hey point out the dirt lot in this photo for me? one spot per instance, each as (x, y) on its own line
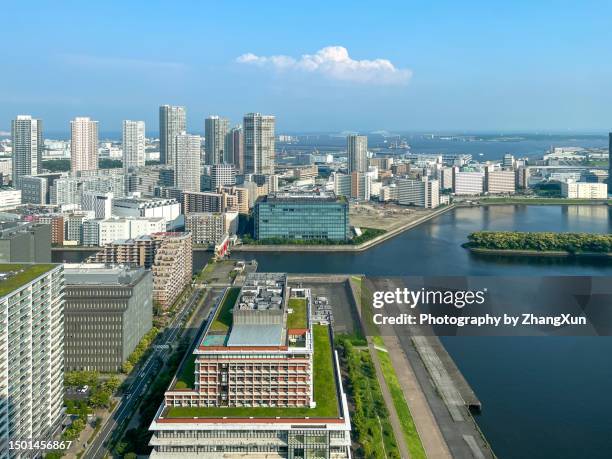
(383, 216)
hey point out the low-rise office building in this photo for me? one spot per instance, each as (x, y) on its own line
(170, 209)
(261, 384)
(107, 311)
(9, 199)
(99, 232)
(584, 190)
(307, 216)
(25, 242)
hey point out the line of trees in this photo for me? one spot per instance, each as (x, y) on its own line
(541, 241)
(367, 234)
(370, 418)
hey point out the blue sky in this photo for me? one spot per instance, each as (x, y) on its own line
(405, 65)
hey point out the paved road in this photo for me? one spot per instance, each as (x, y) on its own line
(129, 402)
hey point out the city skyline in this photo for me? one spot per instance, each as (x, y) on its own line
(437, 67)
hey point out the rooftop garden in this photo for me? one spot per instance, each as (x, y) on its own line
(324, 392)
(28, 274)
(185, 379)
(223, 319)
(297, 319)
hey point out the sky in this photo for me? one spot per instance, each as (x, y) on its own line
(461, 66)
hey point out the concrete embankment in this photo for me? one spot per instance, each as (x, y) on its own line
(343, 248)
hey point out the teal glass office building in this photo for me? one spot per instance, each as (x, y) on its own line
(304, 216)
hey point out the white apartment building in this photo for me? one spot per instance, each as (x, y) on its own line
(187, 165)
(584, 190)
(169, 209)
(32, 357)
(419, 192)
(500, 181)
(83, 144)
(211, 228)
(6, 170)
(388, 193)
(99, 203)
(469, 183)
(133, 144)
(259, 141)
(445, 178)
(357, 185)
(9, 199)
(27, 144)
(222, 175)
(172, 121)
(97, 232)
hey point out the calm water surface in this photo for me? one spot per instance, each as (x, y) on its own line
(542, 397)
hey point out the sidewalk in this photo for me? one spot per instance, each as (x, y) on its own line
(427, 427)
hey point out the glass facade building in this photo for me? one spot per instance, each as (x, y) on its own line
(304, 216)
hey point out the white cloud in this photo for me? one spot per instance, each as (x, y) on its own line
(335, 63)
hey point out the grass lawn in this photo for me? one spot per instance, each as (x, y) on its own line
(223, 319)
(30, 273)
(186, 378)
(324, 392)
(411, 435)
(297, 319)
(208, 269)
(370, 419)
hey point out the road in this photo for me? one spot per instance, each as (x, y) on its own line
(129, 402)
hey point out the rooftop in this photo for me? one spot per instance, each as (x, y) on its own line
(100, 274)
(326, 389)
(298, 318)
(301, 196)
(256, 335)
(16, 275)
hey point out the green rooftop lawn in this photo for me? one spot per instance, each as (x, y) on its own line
(186, 378)
(223, 319)
(324, 392)
(297, 319)
(30, 273)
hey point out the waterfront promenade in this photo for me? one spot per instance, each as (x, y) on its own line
(343, 248)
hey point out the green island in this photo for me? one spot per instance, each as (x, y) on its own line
(514, 242)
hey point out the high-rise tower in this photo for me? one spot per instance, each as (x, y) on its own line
(259, 143)
(133, 144)
(83, 144)
(27, 142)
(172, 121)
